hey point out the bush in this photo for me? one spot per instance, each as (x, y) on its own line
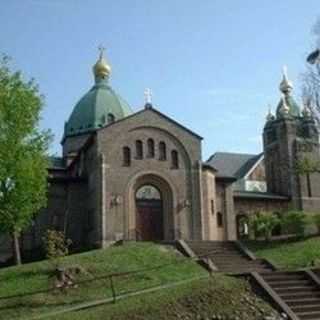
(294, 222)
(56, 245)
(315, 219)
(262, 224)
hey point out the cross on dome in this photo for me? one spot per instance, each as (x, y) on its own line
(101, 69)
(102, 49)
(148, 96)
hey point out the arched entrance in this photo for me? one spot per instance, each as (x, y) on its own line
(153, 204)
(149, 213)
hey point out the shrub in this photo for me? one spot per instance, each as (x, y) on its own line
(294, 222)
(315, 219)
(56, 245)
(262, 224)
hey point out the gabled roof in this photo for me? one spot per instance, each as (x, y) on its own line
(235, 165)
(162, 115)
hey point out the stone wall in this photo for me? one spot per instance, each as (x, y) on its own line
(245, 206)
(120, 181)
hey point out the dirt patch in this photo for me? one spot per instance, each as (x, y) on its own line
(233, 300)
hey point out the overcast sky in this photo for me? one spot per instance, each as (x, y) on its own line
(214, 66)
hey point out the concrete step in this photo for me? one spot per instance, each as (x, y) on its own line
(302, 301)
(300, 295)
(300, 289)
(309, 315)
(289, 283)
(306, 308)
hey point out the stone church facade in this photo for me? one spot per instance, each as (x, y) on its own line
(140, 176)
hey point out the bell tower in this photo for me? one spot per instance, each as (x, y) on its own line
(288, 137)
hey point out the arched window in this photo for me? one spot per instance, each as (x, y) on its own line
(150, 144)
(162, 151)
(174, 159)
(126, 156)
(110, 118)
(219, 219)
(139, 149)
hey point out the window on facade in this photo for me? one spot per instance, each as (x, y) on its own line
(110, 118)
(309, 188)
(174, 159)
(126, 156)
(150, 144)
(139, 149)
(219, 219)
(212, 206)
(162, 151)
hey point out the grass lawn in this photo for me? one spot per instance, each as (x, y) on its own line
(291, 254)
(203, 299)
(132, 256)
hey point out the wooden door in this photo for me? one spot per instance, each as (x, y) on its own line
(149, 219)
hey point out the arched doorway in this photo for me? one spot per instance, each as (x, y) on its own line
(242, 226)
(151, 194)
(149, 213)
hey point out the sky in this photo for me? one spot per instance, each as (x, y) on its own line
(214, 66)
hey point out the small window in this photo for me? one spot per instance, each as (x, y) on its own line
(219, 219)
(150, 144)
(174, 159)
(126, 157)
(162, 151)
(110, 118)
(139, 149)
(212, 206)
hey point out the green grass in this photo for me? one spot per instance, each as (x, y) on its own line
(132, 256)
(293, 254)
(202, 299)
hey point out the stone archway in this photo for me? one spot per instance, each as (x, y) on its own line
(153, 208)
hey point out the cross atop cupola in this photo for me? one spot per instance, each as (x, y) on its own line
(148, 98)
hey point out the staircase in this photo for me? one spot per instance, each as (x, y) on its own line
(228, 257)
(298, 291)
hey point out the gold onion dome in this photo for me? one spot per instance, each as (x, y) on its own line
(98, 107)
(101, 69)
(286, 85)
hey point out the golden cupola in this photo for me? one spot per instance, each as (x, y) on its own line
(101, 69)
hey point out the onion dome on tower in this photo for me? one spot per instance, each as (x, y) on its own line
(99, 106)
(287, 106)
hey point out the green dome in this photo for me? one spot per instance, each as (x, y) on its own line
(98, 107)
(294, 109)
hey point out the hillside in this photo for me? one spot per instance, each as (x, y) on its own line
(291, 254)
(19, 282)
(219, 297)
(159, 265)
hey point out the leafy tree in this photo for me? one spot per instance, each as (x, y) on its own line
(294, 222)
(23, 160)
(263, 223)
(311, 78)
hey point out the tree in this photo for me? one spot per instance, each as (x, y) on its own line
(23, 159)
(311, 78)
(294, 222)
(263, 223)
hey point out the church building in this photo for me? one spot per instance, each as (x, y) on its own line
(127, 175)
